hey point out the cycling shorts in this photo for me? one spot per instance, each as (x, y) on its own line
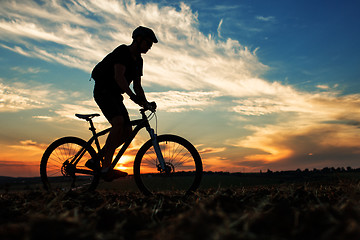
(110, 101)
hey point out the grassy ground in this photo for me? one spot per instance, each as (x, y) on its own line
(225, 207)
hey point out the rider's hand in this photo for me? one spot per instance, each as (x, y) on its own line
(151, 106)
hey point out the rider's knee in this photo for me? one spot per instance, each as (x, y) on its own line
(120, 125)
(118, 122)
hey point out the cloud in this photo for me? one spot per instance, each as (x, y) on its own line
(219, 28)
(31, 146)
(313, 129)
(80, 34)
(170, 101)
(266, 19)
(68, 110)
(315, 145)
(18, 96)
(28, 70)
(325, 87)
(177, 101)
(209, 150)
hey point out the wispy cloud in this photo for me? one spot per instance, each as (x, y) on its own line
(31, 146)
(28, 70)
(95, 28)
(219, 28)
(266, 19)
(170, 101)
(18, 96)
(24, 95)
(176, 101)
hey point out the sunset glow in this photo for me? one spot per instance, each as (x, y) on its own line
(125, 164)
(254, 85)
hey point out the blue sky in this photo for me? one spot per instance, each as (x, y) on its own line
(299, 40)
(253, 84)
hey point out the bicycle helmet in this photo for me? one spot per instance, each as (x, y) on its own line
(144, 32)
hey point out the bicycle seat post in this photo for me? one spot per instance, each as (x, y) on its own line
(93, 131)
(92, 127)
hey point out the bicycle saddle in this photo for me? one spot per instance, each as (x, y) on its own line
(87, 117)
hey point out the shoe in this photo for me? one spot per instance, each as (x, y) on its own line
(93, 164)
(113, 174)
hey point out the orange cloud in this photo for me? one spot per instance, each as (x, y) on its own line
(310, 146)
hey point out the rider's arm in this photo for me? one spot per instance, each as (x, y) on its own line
(139, 90)
(120, 79)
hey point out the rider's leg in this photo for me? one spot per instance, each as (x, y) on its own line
(113, 108)
(119, 132)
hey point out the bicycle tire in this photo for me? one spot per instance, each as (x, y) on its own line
(54, 175)
(180, 156)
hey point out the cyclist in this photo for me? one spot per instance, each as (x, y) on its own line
(113, 76)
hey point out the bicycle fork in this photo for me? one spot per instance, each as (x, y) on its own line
(157, 149)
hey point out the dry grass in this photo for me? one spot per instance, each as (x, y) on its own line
(286, 211)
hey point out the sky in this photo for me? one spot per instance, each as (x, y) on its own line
(253, 84)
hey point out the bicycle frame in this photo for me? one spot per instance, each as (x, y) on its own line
(139, 124)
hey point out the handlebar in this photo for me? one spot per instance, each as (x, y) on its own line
(148, 107)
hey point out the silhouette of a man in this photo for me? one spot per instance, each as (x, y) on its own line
(113, 76)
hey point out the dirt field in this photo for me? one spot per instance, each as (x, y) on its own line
(270, 211)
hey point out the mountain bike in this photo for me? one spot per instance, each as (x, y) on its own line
(163, 163)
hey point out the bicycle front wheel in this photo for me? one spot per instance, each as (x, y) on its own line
(62, 166)
(183, 167)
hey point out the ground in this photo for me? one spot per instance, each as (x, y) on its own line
(297, 210)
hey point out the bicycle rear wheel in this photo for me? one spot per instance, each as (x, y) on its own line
(59, 171)
(183, 167)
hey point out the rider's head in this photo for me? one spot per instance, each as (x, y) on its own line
(144, 38)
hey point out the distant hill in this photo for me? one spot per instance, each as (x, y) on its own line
(4, 180)
(215, 179)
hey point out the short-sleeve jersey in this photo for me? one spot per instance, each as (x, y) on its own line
(104, 74)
